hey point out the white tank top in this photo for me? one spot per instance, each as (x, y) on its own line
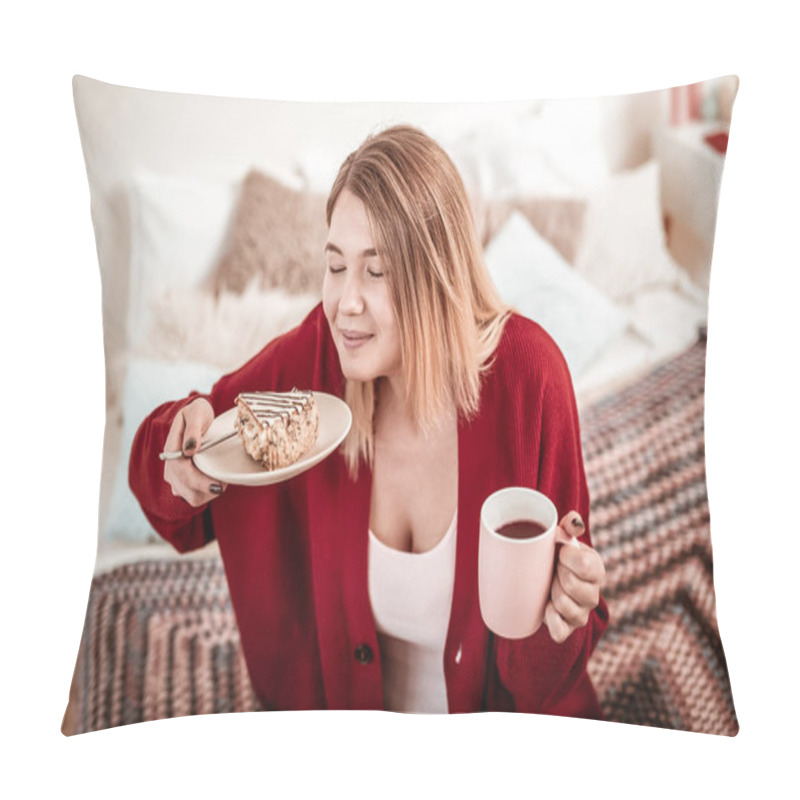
(411, 595)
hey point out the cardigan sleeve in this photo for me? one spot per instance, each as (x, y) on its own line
(538, 672)
(171, 517)
(286, 361)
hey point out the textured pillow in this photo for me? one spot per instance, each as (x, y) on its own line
(209, 219)
(224, 329)
(532, 276)
(277, 239)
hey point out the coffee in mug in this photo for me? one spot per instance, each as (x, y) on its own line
(516, 557)
(521, 529)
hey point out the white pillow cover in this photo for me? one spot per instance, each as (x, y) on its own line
(148, 383)
(531, 275)
(623, 248)
(178, 230)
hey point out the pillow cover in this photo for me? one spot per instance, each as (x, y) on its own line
(285, 251)
(533, 277)
(148, 383)
(210, 244)
(558, 220)
(179, 226)
(624, 247)
(552, 149)
(224, 329)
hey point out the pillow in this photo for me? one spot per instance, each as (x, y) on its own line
(277, 238)
(670, 321)
(552, 149)
(224, 329)
(623, 249)
(179, 225)
(209, 218)
(148, 383)
(532, 276)
(558, 220)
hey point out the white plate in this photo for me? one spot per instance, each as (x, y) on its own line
(228, 462)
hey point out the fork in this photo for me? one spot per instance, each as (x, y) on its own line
(168, 455)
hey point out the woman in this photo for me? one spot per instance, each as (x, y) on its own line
(355, 584)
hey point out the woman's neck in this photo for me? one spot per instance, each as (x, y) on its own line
(393, 418)
(391, 405)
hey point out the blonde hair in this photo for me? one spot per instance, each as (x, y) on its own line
(449, 313)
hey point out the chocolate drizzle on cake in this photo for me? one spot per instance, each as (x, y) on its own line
(277, 428)
(270, 406)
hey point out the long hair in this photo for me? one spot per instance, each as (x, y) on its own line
(449, 313)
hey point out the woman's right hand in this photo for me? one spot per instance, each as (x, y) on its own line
(186, 434)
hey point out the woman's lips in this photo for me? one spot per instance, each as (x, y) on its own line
(352, 340)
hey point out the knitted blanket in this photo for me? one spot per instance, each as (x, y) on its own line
(660, 661)
(160, 639)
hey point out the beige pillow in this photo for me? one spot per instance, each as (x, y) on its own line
(489, 216)
(558, 220)
(277, 239)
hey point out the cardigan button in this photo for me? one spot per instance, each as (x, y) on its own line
(364, 654)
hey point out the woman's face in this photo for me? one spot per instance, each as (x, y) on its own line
(355, 296)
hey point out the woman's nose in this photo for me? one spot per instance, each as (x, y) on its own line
(352, 301)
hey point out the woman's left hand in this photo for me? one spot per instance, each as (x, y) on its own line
(575, 591)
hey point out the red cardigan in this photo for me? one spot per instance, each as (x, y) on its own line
(295, 554)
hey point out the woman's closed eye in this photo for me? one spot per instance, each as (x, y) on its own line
(372, 272)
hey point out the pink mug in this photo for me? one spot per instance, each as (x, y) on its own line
(515, 574)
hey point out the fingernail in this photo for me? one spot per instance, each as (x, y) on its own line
(577, 522)
(190, 443)
(215, 488)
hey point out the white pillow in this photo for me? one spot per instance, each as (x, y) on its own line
(148, 383)
(551, 148)
(531, 275)
(623, 248)
(504, 167)
(667, 319)
(179, 226)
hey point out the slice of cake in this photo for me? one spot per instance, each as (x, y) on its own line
(277, 428)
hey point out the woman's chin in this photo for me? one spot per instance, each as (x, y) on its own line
(356, 372)
(355, 375)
